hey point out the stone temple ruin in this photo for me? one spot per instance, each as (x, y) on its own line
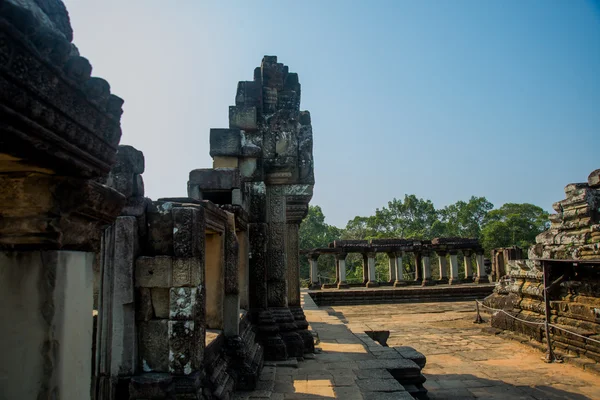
(108, 294)
(190, 294)
(569, 252)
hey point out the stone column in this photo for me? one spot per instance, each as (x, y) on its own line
(392, 261)
(454, 278)
(371, 267)
(399, 270)
(443, 267)
(277, 273)
(481, 274)
(418, 277)
(231, 302)
(341, 261)
(365, 268)
(468, 267)
(276, 248)
(116, 344)
(293, 268)
(426, 270)
(293, 259)
(314, 272)
(337, 271)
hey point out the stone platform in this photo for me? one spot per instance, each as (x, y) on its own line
(407, 294)
(463, 360)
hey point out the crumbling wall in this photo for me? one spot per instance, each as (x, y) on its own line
(574, 234)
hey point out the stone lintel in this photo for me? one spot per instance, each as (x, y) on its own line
(208, 179)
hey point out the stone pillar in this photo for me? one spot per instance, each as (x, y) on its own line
(314, 272)
(418, 277)
(293, 265)
(341, 261)
(116, 337)
(392, 261)
(481, 274)
(365, 268)
(371, 268)
(277, 274)
(276, 249)
(468, 267)
(399, 270)
(47, 331)
(231, 302)
(293, 257)
(337, 271)
(454, 278)
(243, 269)
(426, 270)
(443, 267)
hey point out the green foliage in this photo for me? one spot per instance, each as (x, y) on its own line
(513, 225)
(412, 217)
(313, 233)
(465, 219)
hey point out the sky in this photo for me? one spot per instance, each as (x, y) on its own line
(441, 99)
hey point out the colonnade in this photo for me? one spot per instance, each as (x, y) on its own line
(446, 249)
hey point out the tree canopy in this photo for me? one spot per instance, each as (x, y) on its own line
(412, 217)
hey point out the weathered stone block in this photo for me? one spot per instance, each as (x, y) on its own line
(225, 142)
(160, 228)
(225, 162)
(594, 179)
(257, 192)
(145, 311)
(180, 347)
(188, 231)
(257, 234)
(243, 118)
(187, 272)
(154, 345)
(182, 303)
(129, 159)
(248, 168)
(153, 272)
(151, 386)
(160, 302)
(215, 179)
(123, 182)
(231, 257)
(138, 186)
(249, 94)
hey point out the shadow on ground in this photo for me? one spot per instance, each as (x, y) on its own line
(467, 386)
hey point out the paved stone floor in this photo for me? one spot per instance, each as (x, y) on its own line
(462, 362)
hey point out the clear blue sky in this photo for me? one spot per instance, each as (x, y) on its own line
(443, 99)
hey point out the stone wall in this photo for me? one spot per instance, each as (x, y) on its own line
(89, 252)
(574, 287)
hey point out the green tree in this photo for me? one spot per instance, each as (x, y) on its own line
(314, 233)
(513, 225)
(412, 218)
(465, 219)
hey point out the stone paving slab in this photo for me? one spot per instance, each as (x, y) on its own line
(462, 361)
(465, 363)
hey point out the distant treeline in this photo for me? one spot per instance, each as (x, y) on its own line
(415, 218)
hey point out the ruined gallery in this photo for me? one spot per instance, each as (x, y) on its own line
(107, 294)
